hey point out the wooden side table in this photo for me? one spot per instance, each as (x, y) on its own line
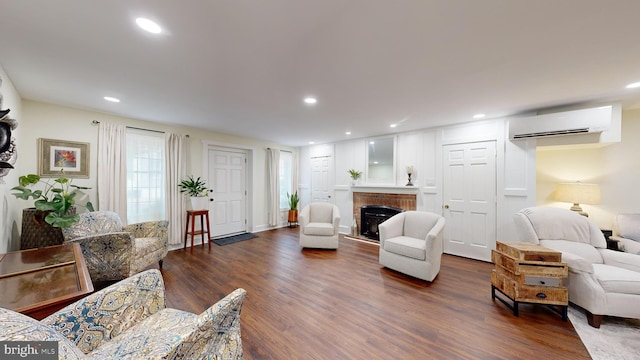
(529, 273)
(191, 217)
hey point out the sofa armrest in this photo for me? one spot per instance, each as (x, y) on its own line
(628, 245)
(108, 256)
(621, 259)
(103, 315)
(577, 264)
(217, 333)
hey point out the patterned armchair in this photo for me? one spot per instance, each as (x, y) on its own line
(128, 320)
(114, 252)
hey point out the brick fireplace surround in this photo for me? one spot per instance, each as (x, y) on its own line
(402, 201)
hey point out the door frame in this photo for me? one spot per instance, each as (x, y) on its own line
(250, 170)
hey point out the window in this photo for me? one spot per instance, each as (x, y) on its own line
(145, 176)
(286, 163)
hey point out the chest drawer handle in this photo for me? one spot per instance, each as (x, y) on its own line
(541, 295)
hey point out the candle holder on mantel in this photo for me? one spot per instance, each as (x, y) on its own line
(409, 172)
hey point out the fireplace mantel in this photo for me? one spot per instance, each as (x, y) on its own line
(382, 189)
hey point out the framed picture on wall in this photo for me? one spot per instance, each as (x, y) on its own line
(70, 156)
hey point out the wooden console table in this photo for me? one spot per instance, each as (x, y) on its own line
(529, 273)
(39, 282)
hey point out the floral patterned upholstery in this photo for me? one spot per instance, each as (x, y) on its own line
(114, 252)
(128, 320)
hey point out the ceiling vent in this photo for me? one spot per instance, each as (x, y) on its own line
(581, 121)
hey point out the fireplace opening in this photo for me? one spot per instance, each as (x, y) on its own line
(373, 215)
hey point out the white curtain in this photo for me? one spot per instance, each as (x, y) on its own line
(273, 183)
(112, 169)
(176, 160)
(295, 171)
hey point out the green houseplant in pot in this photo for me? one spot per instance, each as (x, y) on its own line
(355, 175)
(196, 189)
(294, 200)
(54, 208)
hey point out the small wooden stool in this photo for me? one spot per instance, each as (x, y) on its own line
(191, 216)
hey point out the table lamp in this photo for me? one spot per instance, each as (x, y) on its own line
(578, 193)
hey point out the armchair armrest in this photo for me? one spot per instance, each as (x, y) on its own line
(435, 234)
(218, 328)
(148, 229)
(336, 219)
(103, 315)
(303, 217)
(108, 256)
(392, 227)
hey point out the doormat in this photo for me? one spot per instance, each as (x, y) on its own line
(233, 239)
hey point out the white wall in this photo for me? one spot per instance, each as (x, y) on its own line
(8, 230)
(423, 150)
(40, 120)
(615, 167)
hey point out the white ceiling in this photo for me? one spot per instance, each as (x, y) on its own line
(243, 67)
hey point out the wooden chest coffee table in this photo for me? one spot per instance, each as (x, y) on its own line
(38, 282)
(529, 273)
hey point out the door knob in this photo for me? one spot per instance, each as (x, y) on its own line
(446, 206)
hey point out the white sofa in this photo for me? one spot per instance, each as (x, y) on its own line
(626, 230)
(411, 243)
(601, 281)
(319, 225)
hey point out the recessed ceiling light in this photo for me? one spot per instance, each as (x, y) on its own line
(112, 99)
(310, 100)
(479, 116)
(148, 25)
(348, 133)
(633, 86)
(372, 142)
(311, 142)
(393, 125)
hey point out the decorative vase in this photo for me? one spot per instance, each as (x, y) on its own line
(354, 226)
(36, 233)
(199, 203)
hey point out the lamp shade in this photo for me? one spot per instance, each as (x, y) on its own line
(578, 193)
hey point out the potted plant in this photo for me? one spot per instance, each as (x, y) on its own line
(197, 190)
(355, 175)
(293, 208)
(54, 208)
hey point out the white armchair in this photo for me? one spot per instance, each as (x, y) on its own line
(411, 243)
(601, 281)
(319, 225)
(626, 230)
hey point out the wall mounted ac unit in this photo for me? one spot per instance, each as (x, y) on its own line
(581, 121)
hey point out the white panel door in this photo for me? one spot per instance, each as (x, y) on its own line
(321, 177)
(227, 177)
(469, 198)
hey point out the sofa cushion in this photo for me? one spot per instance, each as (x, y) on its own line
(18, 327)
(322, 229)
(617, 280)
(407, 246)
(155, 337)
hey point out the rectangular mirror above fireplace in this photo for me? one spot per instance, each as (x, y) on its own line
(381, 166)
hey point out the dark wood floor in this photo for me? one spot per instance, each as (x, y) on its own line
(326, 304)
